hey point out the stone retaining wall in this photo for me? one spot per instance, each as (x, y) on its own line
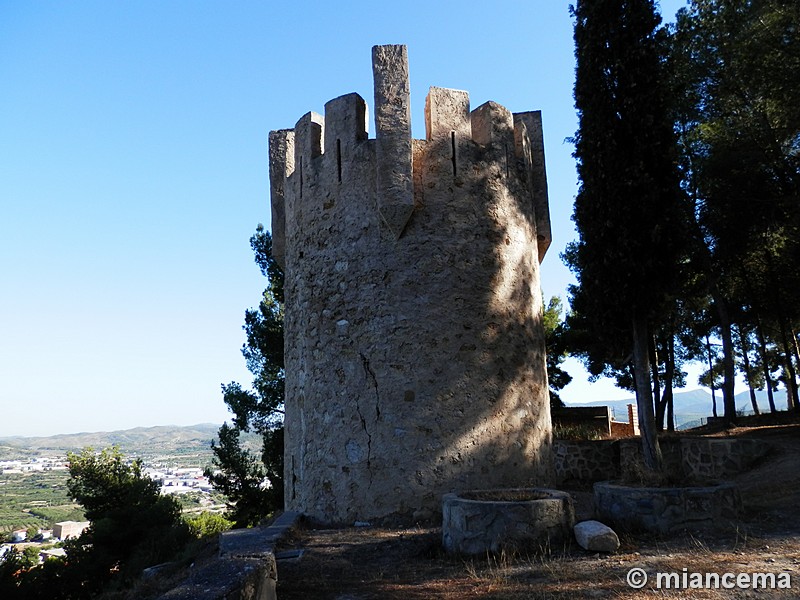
(631, 463)
(714, 458)
(695, 458)
(585, 461)
(245, 568)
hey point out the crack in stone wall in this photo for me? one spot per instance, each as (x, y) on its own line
(371, 374)
(368, 372)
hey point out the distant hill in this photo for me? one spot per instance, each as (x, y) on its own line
(141, 441)
(161, 435)
(693, 406)
(744, 405)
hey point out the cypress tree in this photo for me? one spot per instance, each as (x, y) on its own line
(630, 212)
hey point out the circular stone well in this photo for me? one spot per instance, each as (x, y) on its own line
(480, 521)
(666, 509)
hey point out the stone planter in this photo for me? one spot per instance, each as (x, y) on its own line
(483, 521)
(666, 509)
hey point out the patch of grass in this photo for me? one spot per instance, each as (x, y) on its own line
(577, 433)
(56, 514)
(206, 524)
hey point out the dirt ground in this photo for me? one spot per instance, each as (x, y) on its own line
(374, 563)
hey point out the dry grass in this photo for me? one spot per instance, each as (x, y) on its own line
(362, 564)
(409, 564)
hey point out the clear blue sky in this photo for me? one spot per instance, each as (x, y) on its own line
(133, 170)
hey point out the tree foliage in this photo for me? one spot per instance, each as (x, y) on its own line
(132, 527)
(244, 478)
(737, 80)
(733, 75)
(556, 344)
(254, 485)
(629, 211)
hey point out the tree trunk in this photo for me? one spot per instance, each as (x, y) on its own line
(791, 376)
(762, 343)
(711, 379)
(669, 376)
(659, 407)
(651, 453)
(743, 335)
(728, 365)
(791, 379)
(796, 349)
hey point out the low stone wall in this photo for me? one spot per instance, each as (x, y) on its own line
(244, 570)
(692, 458)
(585, 461)
(664, 510)
(698, 458)
(235, 578)
(720, 458)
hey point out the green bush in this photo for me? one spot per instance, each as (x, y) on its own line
(132, 527)
(207, 524)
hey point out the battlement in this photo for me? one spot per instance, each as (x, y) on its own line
(322, 150)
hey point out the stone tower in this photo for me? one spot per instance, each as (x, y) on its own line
(414, 345)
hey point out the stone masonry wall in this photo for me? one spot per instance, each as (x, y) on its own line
(584, 461)
(665, 510)
(719, 458)
(688, 457)
(414, 346)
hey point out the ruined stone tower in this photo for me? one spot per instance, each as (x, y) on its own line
(414, 345)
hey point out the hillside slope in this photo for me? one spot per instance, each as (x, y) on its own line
(138, 441)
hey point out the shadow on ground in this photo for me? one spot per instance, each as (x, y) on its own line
(375, 563)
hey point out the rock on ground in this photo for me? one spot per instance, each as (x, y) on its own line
(596, 537)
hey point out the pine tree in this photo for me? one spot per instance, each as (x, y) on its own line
(556, 339)
(254, 485)
(737, 68)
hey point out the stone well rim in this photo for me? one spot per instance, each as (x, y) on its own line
(548, 494)
(614, 484)
(479, 526)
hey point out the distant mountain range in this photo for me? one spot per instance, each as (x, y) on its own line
(141, 441)
(162, 436)
(693, 407)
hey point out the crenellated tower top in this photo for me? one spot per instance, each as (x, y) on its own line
(331, 140)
